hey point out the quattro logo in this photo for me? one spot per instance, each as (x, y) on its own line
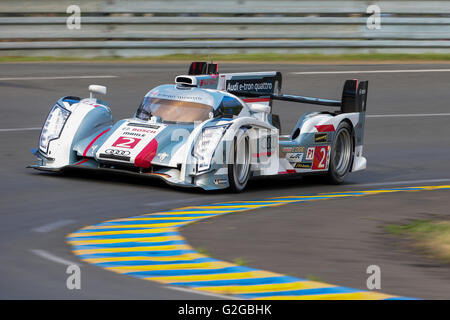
(126, 142)
(117, 152)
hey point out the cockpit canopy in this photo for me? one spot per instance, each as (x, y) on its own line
(173, 104)
(174, 110)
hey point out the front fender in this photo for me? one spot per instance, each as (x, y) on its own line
(86, 118)
(264, 152)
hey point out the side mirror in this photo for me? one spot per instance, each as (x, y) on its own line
(93, 88)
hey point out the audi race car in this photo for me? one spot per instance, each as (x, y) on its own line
(207, 130)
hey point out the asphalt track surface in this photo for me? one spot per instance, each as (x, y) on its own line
(330, 239)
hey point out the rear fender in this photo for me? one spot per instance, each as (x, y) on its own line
(311, 125)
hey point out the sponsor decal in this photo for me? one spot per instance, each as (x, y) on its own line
(126, 142)
(310, 154)
(302, 165)
(253, 85)
(298, 149)
(143, 125)
(294, 157)
(320, 137)
(162, 156)
(220, 181)
(289, 149)
(320, 158)
(209, 100)
(117, 152)
(134, 134)
(143, 130)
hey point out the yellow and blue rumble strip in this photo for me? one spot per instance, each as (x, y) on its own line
(150, 247)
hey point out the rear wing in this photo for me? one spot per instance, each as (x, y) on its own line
(264, 87)
(354, 97)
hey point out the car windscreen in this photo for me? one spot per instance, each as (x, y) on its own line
(173, 110)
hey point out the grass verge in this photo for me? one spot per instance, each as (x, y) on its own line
(252, 57)
(240, 262)
(431, 236)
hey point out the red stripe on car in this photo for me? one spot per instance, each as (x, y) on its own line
(289, 171)
(325, 128)
(93, 141)
(145, 157)
(82, 161)
(251, 100)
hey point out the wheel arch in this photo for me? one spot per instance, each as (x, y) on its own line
(346, 120)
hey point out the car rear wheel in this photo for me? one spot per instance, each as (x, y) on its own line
(239, 170)
(341, 154)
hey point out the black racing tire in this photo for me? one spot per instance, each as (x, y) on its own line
(342, 152)
(239, 169)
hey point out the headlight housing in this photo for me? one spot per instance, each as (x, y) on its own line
(53, 126)
(206, 145)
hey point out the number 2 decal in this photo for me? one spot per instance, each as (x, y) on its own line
(126, 142)
(320, 158)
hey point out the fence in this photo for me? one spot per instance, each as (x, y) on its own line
(145, 28)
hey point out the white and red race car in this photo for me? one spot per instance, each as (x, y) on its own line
(208, 130)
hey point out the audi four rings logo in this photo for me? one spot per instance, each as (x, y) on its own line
(118, 152)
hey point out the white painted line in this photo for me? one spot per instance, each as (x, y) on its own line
(58, 78)
(371, 71)
(202, 293)
(407, 115)
(20, 129)
(51, 257)
(53, 226)
(406, 182)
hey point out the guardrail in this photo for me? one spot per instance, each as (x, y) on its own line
(143, 28)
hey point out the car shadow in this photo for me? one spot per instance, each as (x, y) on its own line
(254, 185)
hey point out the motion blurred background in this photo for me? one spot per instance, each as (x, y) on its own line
(401, 47)
(138, 28)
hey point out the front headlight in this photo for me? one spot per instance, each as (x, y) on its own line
(53, 126)
(206, 146)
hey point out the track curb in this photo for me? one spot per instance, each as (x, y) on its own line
(150, 247)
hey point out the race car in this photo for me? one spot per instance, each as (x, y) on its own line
(208, 130)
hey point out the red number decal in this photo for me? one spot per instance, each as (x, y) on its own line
(320, 158)
(126, 142)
